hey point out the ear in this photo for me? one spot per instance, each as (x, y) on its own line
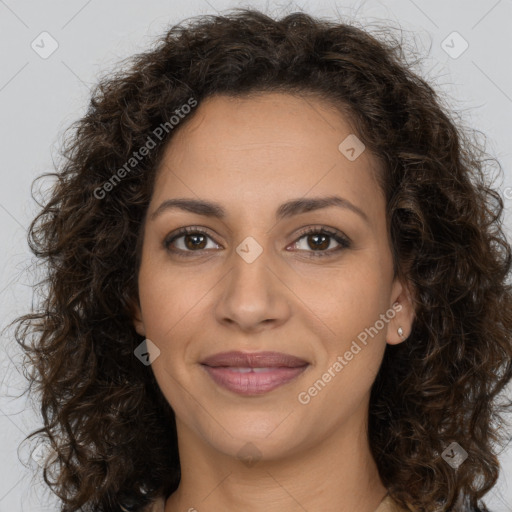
(403, 306)
(136, 315)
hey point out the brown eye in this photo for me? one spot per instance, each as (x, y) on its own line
(319, 241)
(194, 240)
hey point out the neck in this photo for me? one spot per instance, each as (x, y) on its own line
(337, 474)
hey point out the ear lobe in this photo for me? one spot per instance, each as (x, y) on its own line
(400, 326)
(139, 326)
(136, 316)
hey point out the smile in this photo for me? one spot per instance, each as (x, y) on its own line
(252, 381)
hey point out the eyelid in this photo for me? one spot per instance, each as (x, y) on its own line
(344, 242)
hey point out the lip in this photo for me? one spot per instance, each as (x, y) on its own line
(254, 360)
(253, 373)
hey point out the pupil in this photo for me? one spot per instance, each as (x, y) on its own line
(193, 244)
(323, 246)
(196, 243)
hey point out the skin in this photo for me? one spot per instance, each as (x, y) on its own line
(251, 155)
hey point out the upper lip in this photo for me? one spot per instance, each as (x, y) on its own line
(254, 360)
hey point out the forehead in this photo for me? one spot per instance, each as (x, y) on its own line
(265, 145)
(268, 119)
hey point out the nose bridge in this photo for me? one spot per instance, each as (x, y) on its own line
(252, 293)
(250, 272)
(253, 241)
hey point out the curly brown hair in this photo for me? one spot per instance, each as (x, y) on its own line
(103, 409)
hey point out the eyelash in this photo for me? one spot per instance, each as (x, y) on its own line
(344, 241)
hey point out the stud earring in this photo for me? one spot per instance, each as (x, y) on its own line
(400, 332)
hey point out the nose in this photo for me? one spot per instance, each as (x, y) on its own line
(254, 297)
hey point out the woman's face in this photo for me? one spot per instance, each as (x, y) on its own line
(255, 282)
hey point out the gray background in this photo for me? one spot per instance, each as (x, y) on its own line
(40, 97)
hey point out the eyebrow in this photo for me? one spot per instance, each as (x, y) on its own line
(286, 210)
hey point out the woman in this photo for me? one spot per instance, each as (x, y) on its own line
(277, 281)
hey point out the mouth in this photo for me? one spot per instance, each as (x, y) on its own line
(253, 373)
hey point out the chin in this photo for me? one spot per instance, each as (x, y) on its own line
(268, 436)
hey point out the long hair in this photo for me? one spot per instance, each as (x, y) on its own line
(109, 427)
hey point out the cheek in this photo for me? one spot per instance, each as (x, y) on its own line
(351, 299)
(173, 309)
(168, 300)
(169, 315)
(353, 314)
(355, 355)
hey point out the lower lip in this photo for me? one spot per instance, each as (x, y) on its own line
(252, 383)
